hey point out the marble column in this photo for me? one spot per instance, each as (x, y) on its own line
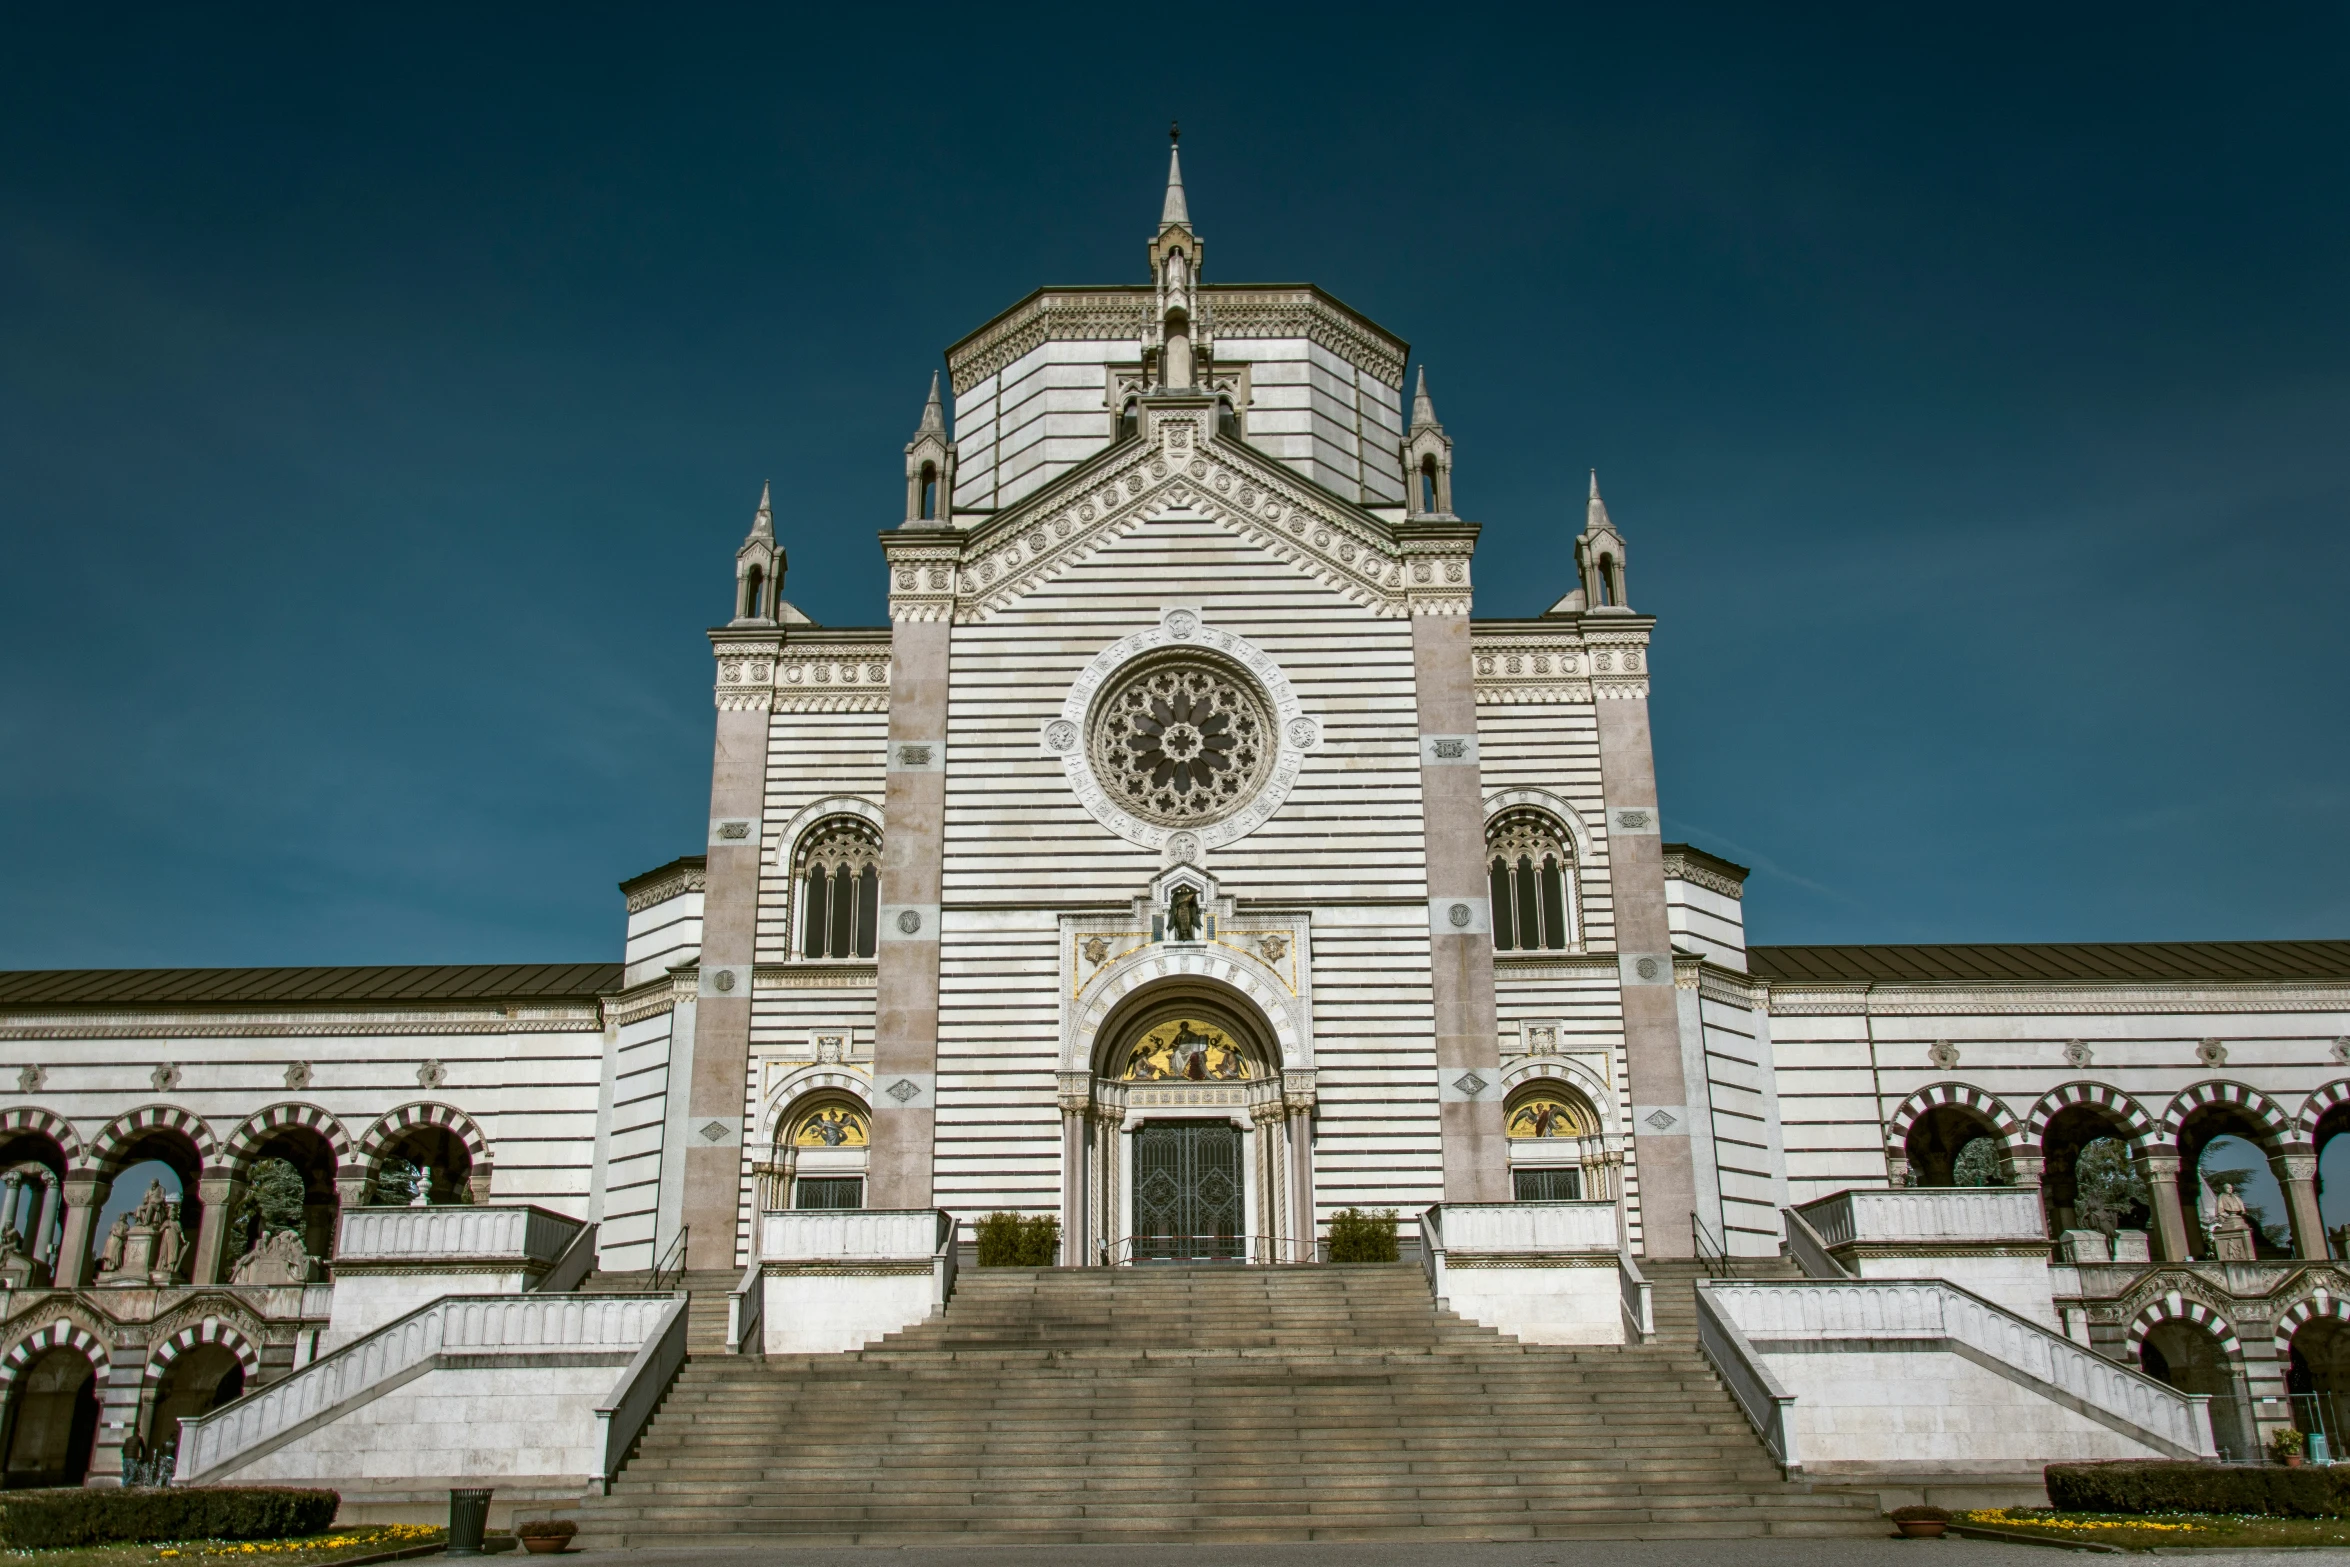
(86, 1192)
(2160, 1169)
(219, 1194)
(2296, 1171)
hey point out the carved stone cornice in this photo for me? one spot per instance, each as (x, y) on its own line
(812, 975)
(1813, 999)
(1073, 315)
(1684, 864)
(1530, 665)
(164, 1023)
(688, 875)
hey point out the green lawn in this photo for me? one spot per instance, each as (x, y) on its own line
(337, 1545)
(2145, 1531)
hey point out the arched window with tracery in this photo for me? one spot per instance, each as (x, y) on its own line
(839, 877)
(1532, 872)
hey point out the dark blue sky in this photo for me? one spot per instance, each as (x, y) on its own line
(382, 398)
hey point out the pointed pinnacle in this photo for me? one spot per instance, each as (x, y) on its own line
(934, 420)
(1595, 510)
(1175, 209)
(763, 525)
(1423, 406)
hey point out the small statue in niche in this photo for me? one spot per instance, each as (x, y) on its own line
(1183, 914)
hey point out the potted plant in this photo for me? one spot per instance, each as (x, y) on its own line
(1920, 1523)
(2287, 1445)
(545, 1536)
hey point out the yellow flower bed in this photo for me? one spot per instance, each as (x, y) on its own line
(2006, 1518)
(389, 1536)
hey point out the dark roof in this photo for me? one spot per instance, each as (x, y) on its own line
(2091, 962)
(435, 982)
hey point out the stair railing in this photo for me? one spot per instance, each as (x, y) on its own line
(1712, 1255)
(572, 1268)
(625, 1412)
(670, 1270)
(746, 1312)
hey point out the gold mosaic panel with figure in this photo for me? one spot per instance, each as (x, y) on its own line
(830, 1126)
(1181, 1050)
(1546, 1113)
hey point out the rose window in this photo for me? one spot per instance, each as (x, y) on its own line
(1182, 742)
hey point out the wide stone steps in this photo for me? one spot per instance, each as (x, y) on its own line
(1202, 1404)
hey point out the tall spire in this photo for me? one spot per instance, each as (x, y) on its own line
(1424, 406)
(934, 416)
(763, 525)
(1595, 517)
(1176, 210)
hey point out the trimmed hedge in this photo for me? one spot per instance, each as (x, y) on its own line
(2163, 1486)
(1008, 1241)
(84, 1515)
(1356, 1236)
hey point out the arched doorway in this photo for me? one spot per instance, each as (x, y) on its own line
(148, 1225)
(823, 1142)
(289, 1182)
(2333, 1178)
(2189, 1358)
(2223, 1145)
(198, 1382)
(1951, 1145)
(1557, 1150)
(1181, 1144)
(2318, 1378)
(427, 1159)
(51, 1420)
(2088, 1176)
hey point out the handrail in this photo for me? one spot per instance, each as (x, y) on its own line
(665, 1275)
(1716, 1260)
(1639, 1300)
(625, 1412)
(1810, 1253)
(445, 1324)
(572, 1267)
(1769, 1407)
(1122, 1252)
(1432, 1250)
(746, 1312)
(1873, 1310)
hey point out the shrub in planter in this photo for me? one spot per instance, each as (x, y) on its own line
(1008, 1241)
(1919, 1522)
(1356, 1236)
(36, 1520)
(2163, 1486)
(546, 1529)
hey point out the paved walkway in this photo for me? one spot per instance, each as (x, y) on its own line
(1948, 1552)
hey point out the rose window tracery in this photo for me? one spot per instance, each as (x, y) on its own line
(1182, 741)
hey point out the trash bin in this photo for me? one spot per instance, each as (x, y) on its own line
(469, 1514)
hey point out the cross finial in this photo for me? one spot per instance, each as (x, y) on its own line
(1174, 130)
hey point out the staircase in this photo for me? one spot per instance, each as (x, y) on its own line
(1200, 1404)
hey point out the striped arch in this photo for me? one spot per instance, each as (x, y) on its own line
(2334, 1308)
(127, 1128)
(1963, 1096)
(60, 1334)
(2249, 1100)
(2316, 1108)
(34, 1119)
(2097, 1096)
(2175, 1307)
(210, 1331)
(423, 1113)
(265, 1124)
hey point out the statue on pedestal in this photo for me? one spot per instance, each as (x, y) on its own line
(2231, 1231)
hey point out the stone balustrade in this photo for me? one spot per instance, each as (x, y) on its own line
(1929, 1216)
(863, 1234)
(576, 1325)
(831, 1279)
(1545, 1272)
(2048, 1374)
(514, 1232)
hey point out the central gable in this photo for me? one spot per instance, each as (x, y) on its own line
(1180, 465)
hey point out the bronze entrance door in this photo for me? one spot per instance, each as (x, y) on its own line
(1187, 1192)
